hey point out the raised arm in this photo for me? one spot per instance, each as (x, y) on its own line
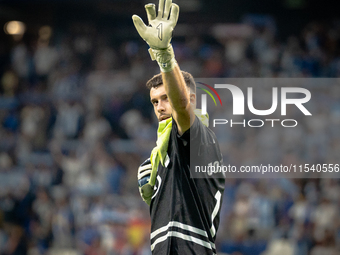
(179, 97)
(158, 35)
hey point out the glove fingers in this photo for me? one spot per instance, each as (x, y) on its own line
(139, 24)
(174, 14)
(150, 11)
(167, 8)
(143, 171)
(145, 167)
(161, 8)
(142, 174)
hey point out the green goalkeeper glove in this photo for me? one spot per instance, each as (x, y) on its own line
(145, 188)
(159, 32)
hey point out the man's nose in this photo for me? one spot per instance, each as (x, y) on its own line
(160, 106)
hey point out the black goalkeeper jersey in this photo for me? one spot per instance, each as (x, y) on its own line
(185, 211)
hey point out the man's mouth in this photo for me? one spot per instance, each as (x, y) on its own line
(164, 118)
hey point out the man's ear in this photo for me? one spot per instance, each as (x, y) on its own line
(193, 99)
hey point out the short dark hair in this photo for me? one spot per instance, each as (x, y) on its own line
(157, 80)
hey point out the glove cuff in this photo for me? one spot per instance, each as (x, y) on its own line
(164, 57)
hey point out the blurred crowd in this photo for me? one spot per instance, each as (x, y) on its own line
(76, 122)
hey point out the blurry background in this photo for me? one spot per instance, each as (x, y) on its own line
(76, 122)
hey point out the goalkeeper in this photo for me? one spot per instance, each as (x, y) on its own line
(184, 210)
